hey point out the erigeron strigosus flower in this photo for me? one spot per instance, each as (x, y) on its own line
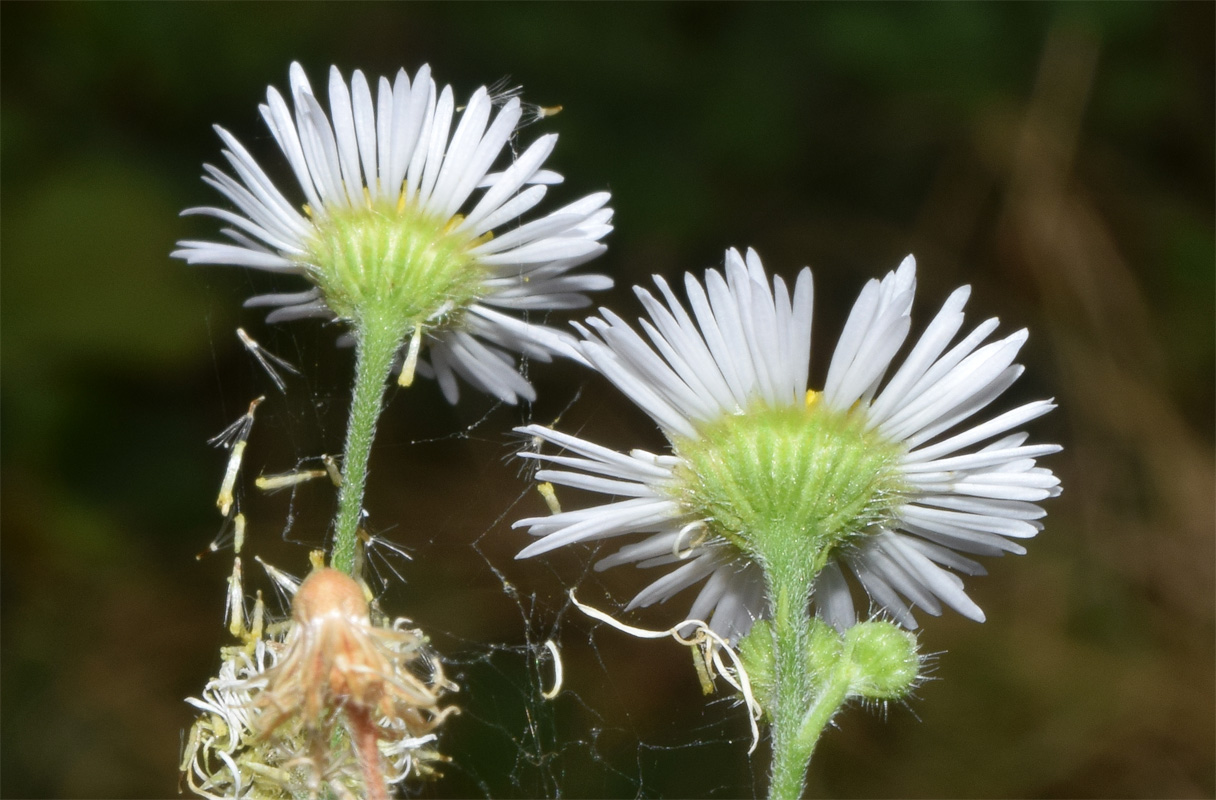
(772, 493)
(406, 234)
(385, 234)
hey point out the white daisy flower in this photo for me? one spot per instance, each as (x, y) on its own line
(891, 481)
(390, 232)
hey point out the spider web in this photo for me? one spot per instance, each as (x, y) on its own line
(591, 738)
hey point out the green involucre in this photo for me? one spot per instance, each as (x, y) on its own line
(756, 653)
(392, 263)
(391, 271)
(798, 480)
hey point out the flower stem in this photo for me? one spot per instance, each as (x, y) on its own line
(804, 702)
(791, 638)
(832, 695)
(377, 346)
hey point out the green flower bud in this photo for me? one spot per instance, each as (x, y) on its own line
(756, 653)
(883, 660)
(823, 653)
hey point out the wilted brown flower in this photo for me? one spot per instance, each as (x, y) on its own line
(337, 701)
(338, 666)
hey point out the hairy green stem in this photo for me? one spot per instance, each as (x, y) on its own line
(791, 638)
(832, 694)
(377, 345)
(803, 703)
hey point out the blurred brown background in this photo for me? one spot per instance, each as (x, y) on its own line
(1059, 157)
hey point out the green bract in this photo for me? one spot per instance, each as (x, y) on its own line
(398, 263)
(798, 480)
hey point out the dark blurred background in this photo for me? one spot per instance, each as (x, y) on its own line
(1059, 157)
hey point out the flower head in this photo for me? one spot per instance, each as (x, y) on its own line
(387, 236)
(886, 478)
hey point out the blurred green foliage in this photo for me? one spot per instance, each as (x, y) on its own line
(1057, 156)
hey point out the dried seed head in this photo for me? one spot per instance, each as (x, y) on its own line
(340, 700)
(330, 651)
(336, 659)
(328, 592)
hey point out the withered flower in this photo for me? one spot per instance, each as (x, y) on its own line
(341, 669)
(338, 701)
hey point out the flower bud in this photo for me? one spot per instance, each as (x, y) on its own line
(884, 663)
